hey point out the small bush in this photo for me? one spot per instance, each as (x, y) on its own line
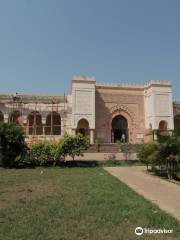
(72, 146)
(146, 151)
(169, 155)
(12, 143)
(25, 160)
(42, 153)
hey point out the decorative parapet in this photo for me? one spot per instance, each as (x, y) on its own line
(135, 85)
(83, 78)
(120, 85)
(159, 83)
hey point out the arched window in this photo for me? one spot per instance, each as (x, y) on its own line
(53, 124)
(16, 117)
(83, 127)
(163, 126)
(1, 117)
(35, 123)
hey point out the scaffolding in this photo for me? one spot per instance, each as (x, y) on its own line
(34, 125)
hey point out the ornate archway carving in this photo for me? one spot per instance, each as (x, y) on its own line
(126, 113)
(119, 109)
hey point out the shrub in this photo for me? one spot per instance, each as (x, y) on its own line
(164, 155)
(45, 153)
(177, 132)
(59, 155)
(72, 146)
(42, 153)
(168, 155)
(25, 160)
(12, 143)
(146, 151)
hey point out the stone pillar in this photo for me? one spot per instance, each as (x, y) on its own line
(155, 136)
(6, 118)
(43, 130)
(44, 124)
(91, 136)
(27, 129)
(43, 120)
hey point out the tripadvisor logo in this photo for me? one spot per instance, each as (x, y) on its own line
(140, 231)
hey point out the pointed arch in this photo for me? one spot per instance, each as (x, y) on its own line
(16, 117)
(163, 126)
(119, 129)
(83, 127)
(123, 111)
(53, 124)
(35, 123)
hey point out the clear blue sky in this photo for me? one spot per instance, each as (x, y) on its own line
(43, 43)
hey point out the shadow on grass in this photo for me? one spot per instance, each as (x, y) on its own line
(94, 163)
(163, 174)
(84, 164)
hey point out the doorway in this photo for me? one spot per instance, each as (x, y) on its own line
(119, 130)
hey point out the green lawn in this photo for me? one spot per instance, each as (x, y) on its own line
(74, 204)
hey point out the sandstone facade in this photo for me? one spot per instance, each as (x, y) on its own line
(108, 112)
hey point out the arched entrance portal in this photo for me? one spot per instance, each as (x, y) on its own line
(119, 130)
(83, 127)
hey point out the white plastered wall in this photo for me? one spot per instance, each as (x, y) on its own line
(158, 104)
(83, 101)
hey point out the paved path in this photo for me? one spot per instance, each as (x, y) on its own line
(161, 192)
(104, 156)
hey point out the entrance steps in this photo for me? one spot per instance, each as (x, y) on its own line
(104, 148)
(113, 148)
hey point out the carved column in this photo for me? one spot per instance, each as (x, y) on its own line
(44, 124)
(91, 136)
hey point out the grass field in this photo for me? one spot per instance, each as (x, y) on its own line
(74, 204)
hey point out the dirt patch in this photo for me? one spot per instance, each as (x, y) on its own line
(26, 192)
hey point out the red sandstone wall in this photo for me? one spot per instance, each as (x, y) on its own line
(133, 100)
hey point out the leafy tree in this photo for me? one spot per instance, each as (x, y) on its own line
(12, 143)
(164, 155)
(146, 153)
(169, 155)
(177, 132)
(72, 146)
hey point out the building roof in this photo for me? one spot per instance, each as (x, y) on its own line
(32, 98)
